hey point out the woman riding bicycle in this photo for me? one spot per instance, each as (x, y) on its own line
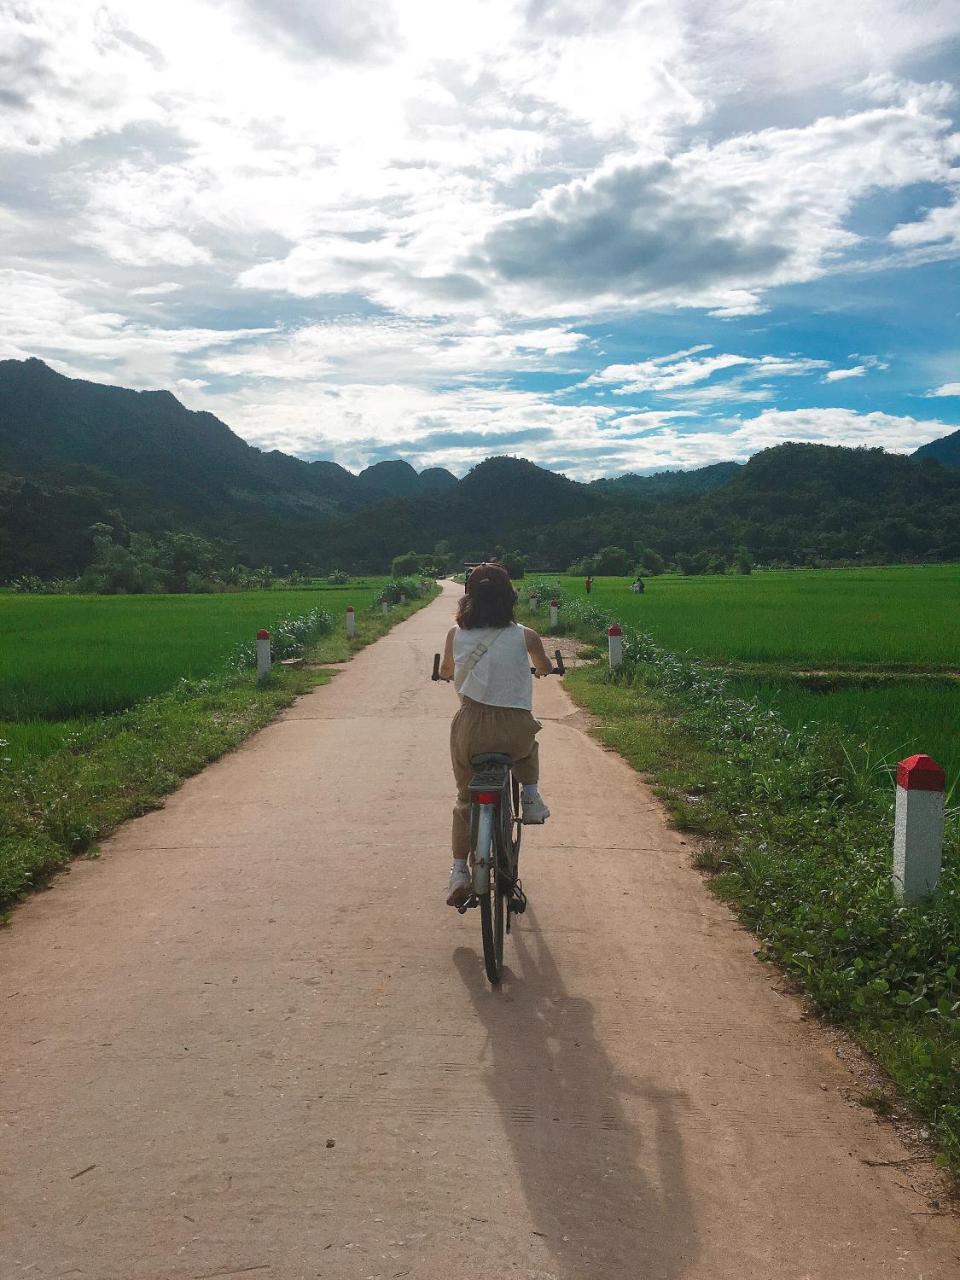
(488, 656)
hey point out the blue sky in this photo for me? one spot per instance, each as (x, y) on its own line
(608, 236)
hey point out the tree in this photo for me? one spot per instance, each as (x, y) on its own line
(742, 562)
(651, 562)
(685, 564)
(613, 562)
(514, 563)
(405, 566)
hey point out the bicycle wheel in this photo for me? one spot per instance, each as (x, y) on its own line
(517, 824)
(487, 856)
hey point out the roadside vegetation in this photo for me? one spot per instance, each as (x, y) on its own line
(109, 703)
(796, 811)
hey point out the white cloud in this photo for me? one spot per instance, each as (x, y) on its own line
(838, 375)
(391, 351)
(947, 389)
(938, 230)
(669, 374)
(421, 202)
(47, 318)
(155, 290)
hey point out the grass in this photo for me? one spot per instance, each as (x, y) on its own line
(70, 656)
(902, 616)
(798, 834)
(883, 723)
(66, 784)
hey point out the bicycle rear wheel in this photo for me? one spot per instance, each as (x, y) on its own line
(493, 905)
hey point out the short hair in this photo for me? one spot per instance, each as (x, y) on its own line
(488, 599)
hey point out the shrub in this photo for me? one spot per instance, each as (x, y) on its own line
(408, 586)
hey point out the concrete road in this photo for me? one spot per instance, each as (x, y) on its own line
(252, 1040)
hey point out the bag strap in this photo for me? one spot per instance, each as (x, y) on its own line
(474, 657)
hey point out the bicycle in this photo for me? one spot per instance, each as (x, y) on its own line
(496, 828)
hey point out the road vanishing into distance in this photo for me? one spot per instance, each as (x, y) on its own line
(251, 1040)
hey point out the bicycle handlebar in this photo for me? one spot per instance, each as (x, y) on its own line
(558, 670)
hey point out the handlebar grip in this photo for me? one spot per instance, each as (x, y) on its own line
(436, 667)
(561, 669)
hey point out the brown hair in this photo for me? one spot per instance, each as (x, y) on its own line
(488, 599)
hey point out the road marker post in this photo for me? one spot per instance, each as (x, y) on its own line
(385, 607)
(534, 602)
(403, 598)
(918, 828)
(554, 612)
(615, 646)
(263, 657)
(351, 622)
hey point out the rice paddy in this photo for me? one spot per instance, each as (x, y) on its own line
(870, 654)
(67, 660)
(901, 617)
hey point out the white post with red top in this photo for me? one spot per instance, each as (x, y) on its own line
(263, 657)
(534, 602)
(918, 828)
(351, 622)
(615, 645)
(554, 612)
(385, 607)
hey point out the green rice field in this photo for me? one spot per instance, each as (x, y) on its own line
(872, 654)
(901, 616)
(69, 659)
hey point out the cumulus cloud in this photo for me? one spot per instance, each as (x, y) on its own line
(364, 224)
(71, 71)
(947, 389)
(735, 218)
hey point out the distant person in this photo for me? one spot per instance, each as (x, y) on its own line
(488, 656)
(638, 585)
(588, 584)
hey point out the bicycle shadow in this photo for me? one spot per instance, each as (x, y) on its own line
(608, 1198)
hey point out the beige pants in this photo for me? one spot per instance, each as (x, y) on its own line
(478, 727)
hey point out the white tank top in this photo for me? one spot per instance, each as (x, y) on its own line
(501, 677)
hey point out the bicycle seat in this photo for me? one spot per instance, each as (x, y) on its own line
(490, 757)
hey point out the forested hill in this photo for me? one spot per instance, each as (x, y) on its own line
(794, 504)
(73, 454)
(946, 450)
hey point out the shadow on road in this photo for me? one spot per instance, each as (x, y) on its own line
(608, 1198)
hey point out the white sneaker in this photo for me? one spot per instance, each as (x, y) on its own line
(460, 887)
(533, 812)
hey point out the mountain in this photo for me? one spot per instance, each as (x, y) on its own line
(390, 479)
(396, 479)
(665, 484)
(436, 479)
(140, 459)
(74, 454)
(945, 450)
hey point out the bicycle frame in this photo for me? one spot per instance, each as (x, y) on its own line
(490, 803)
